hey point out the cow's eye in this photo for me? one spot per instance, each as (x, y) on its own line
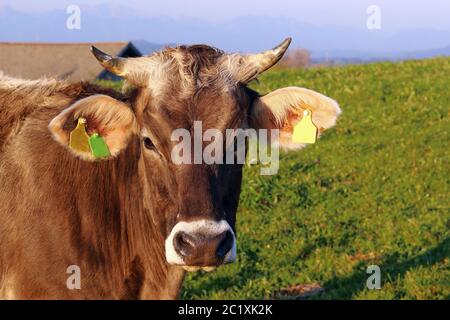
(148, 143)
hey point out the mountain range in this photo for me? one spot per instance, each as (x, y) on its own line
(244, 33)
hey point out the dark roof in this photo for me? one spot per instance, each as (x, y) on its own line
(74, 61)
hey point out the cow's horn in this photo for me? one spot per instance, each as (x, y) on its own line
(267, 59)
(115, 65)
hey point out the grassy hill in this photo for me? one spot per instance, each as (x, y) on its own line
(374, 190)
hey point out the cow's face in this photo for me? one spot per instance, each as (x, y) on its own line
(182, 94)
(199, 221)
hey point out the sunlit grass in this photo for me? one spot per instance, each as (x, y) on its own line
(374, 190)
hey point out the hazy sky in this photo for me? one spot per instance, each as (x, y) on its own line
(396, 14)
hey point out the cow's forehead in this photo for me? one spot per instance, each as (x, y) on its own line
(184, 71)
(191, 83)
(215, 109)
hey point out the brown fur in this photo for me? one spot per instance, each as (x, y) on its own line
(75, 212)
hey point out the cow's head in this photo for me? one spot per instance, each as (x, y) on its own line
(194, 204)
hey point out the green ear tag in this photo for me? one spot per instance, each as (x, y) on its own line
(99, 148)
(79, 139)
(305, 131)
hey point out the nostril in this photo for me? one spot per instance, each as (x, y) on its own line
(184, 244)
(225, 245)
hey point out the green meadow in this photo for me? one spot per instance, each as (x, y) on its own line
(374, 190)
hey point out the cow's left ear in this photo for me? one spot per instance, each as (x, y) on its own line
(284, 108)
(105, 117)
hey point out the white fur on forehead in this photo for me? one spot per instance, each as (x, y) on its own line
(156, 75)
(169, 65)
(160, 69)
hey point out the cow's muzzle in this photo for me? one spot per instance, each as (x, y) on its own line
(201, 244)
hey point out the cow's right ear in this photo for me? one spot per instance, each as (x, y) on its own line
(284, 108)
(111, 119)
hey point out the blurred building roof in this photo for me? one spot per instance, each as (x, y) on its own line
(72, 61)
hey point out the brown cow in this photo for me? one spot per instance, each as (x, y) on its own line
(130, 223)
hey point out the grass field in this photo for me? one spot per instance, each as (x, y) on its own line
(373, 190)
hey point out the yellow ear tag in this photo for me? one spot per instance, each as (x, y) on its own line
(79, 139)
(305, 131)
